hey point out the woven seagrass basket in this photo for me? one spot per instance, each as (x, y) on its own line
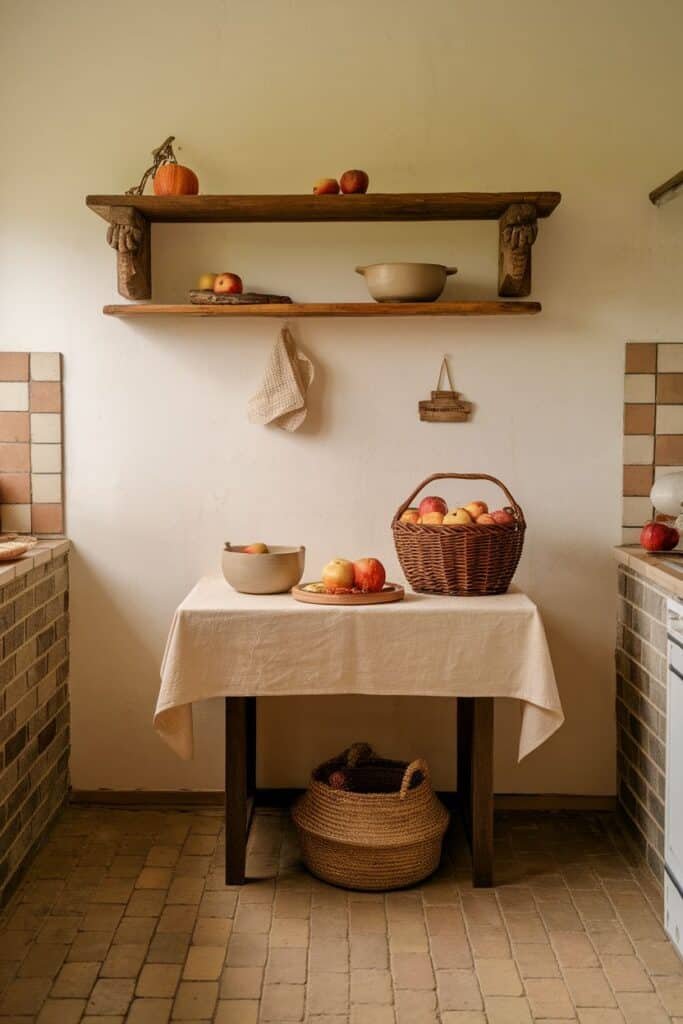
(383, 832)
(459, 560)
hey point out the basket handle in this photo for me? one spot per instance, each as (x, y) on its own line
(357, 752)
(519, 515)
(419, 765)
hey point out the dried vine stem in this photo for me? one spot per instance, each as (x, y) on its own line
(163, 154)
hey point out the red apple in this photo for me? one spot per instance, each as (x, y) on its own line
(658, 537)
(256, 549)
(354, 181)
(338, 575)
(432, 504)
(369, 575)
(503, 516)
(326, 187)
(227, 284)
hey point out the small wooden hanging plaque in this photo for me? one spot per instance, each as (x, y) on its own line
(444, 406)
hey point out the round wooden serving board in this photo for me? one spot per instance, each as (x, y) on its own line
(391, 592)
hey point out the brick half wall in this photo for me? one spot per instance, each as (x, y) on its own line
(34, 709)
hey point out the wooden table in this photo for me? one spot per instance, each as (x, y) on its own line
(248, 647)
(475, 782)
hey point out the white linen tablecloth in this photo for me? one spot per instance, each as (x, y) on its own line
(225, 644)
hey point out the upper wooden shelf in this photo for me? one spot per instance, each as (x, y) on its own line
(309, 309)
(377, 206)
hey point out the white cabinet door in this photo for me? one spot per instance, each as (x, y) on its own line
(674, 769)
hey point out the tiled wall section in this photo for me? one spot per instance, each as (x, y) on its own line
(653, 426)
(641, 713)
(34, 703)
(31, 498)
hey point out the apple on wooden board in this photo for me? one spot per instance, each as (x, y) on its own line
(354, 181)
(256, 549)
(411, 515)
(658, 537)
(369, 575)
(432, 503)
(227, 284)
(457, 517)
(206, 282)
(338, 575)
(326, 187)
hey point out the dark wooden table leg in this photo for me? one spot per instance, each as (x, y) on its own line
(475, 781)
(240, 772)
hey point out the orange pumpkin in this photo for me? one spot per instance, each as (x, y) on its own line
(175, 180)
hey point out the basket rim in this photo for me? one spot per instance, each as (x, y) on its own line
(353, 795)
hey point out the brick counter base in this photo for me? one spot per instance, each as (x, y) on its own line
(34, 711)
(641, 713)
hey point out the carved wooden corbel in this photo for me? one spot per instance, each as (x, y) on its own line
(130, 234)
(518, 230)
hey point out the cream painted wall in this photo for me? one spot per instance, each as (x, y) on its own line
(162, 465)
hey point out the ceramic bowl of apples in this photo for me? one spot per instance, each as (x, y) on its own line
(260, 568)
(433, 511)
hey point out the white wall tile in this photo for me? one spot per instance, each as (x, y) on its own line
(639, 450)
(667, 471)
(669, 358)
(46, 427)
(639, 387)
(46, 366)
(15, 518)
(46, 458)
(630, 535)
(636, 511)
(13, 396)
(670, 419)
(46, 488)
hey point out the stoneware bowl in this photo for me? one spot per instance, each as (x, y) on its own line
(274, 573)
(406, 282)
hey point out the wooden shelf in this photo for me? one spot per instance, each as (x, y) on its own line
(130, 234)
(377, 206)
(326, 309)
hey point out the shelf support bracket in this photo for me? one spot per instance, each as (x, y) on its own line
(517, 233)
(129, 233)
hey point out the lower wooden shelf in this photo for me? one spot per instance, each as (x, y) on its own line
(368, 309)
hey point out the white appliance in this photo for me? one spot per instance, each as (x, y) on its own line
(673, 830)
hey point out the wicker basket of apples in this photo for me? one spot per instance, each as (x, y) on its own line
(467, 551)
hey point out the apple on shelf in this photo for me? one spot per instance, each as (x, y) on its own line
(227, 284)
(354, 181)
(326, 187)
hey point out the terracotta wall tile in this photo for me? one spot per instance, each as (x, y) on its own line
(15, 488)
(669, 448)
(47, 519)
(14, 426)
(13, 365)
(45, 396)
(638, 480)
(639, 419)
(670, 387)
(14, 458)
(641, 357)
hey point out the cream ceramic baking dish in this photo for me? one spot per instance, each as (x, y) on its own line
(406, 282)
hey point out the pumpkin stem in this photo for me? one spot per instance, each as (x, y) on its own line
(163, 154)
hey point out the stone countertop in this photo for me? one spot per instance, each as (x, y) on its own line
(657, 568)
(44, 551)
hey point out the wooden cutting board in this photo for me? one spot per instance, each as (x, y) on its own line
(206, 298)
(391, 592)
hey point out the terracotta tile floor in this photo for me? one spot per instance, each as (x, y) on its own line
(124, 917)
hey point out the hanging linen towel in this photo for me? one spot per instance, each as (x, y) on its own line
(281, 399)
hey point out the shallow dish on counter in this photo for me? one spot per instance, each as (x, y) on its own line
(406, 282)
(273, 573)
(315, 593)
